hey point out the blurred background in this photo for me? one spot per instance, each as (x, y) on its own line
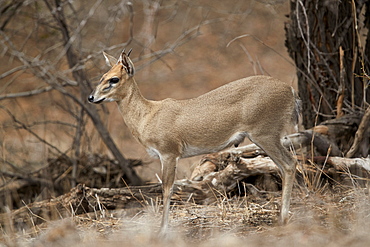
(51, 59)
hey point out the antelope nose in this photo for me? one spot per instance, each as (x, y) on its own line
(91, 99)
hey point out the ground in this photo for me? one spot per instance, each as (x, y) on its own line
(332, 217)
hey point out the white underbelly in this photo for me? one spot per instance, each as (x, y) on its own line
(191, 150)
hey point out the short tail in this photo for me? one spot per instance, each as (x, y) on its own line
(297, 110)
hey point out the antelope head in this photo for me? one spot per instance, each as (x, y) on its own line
(112, 84)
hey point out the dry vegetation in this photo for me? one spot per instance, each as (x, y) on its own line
(180, 50)
(325, 211)
(318, 219)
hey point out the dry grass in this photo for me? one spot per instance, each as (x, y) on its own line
(338, 217)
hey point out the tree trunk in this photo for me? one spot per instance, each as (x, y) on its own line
(322, 38)
(85, 88)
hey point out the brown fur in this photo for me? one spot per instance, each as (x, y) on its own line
(257, 107)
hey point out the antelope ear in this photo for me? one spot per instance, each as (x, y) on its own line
(110, 60)
(127, 63)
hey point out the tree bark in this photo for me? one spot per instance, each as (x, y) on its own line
(315, 33)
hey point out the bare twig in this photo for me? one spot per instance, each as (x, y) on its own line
(29, 130)
(85, 88)
(27, 93)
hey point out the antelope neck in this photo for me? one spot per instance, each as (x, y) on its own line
(133, 106)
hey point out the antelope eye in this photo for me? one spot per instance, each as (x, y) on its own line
(113, 80)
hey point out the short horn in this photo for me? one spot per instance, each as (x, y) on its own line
(129, 52)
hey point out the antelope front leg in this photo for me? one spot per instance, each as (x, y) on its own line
(169, 165)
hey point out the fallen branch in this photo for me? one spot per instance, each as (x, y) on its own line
(344, 163)
(217, 174)
(303, 139)
(361, 137)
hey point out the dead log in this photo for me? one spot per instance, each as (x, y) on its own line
(43, 211)
(311, 139)
(83, 199)
(217, 174)
(333, 137)
(80, 200)
(307, 139)
(340, 131)
(212, 169)
(344, 164)
(56, 178)
(360, 146)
